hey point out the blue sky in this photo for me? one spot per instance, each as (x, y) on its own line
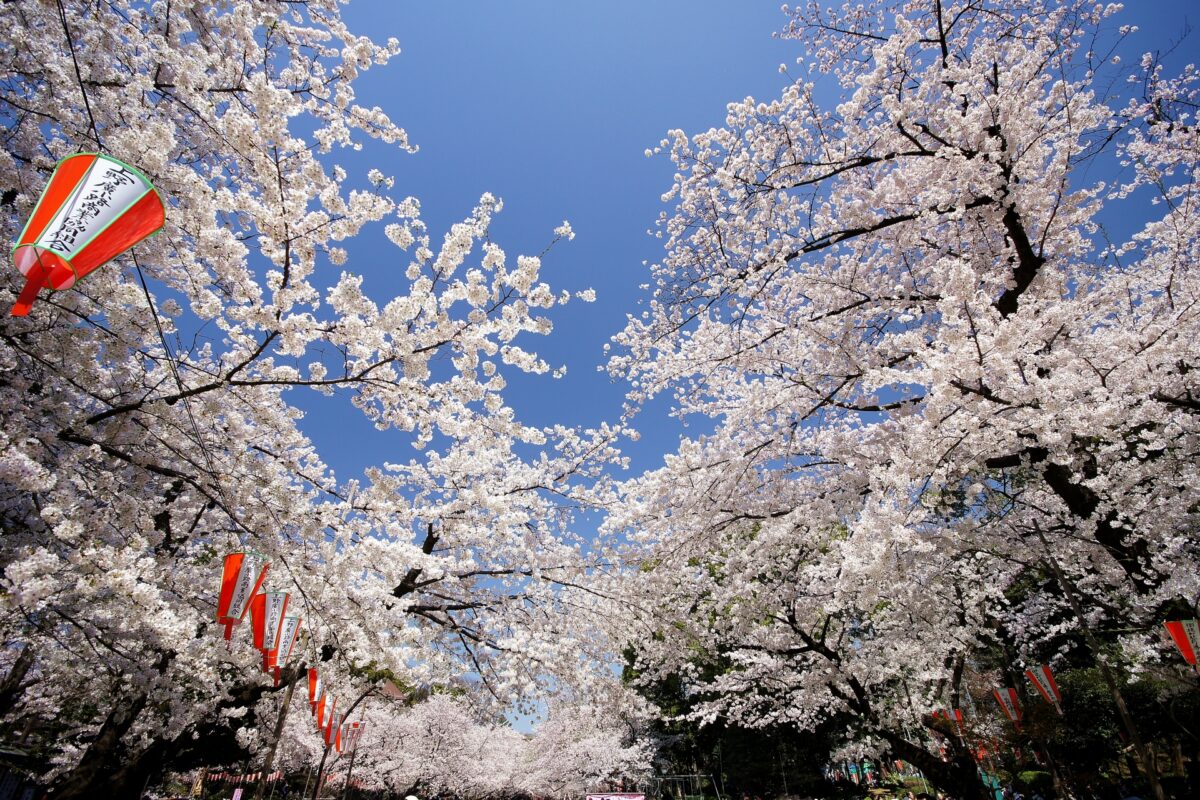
(549, 104)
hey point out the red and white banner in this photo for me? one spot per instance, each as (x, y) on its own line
(1043, 679)
(1186, 633)
(1007, 698)
(241, 579)
(617, 796)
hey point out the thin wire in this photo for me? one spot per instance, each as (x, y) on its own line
(62, 15)
(179, 384)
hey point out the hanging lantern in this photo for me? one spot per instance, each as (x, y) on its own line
(243, 575)
(320, 697)
(93, 209)
(1007, 698)
(333, 728)
(287, 642)
(1186, 633)
(951, 714)
(1043, 679)
(322, 716)
(266, 612)
(352, 731)
(314, 686)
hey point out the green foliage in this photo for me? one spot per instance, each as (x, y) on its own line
(1035, 781)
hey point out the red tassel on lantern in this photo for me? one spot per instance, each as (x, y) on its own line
(242, 577)
(93, 209)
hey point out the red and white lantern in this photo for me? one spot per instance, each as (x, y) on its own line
(1186, 634)
(93, 209)
(242, 577)
(321, 698)
(333, 729)
(325, 708)
(314, 687)
(267, 613)
(1043, 679)
(1007, 698)
(352, 731)
(287, 643)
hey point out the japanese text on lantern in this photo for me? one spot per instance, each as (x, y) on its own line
(113, 186)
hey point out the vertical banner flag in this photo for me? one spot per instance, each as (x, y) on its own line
(1042, 678)
(93, 209)
(242, 577)
(1007, 698)
(266, 612)
(1186, 633)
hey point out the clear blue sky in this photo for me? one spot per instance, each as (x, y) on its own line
(549, 104)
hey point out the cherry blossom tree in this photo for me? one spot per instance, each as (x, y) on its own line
(447, 745)
(944, 402)
(582, 748)
(148, 423)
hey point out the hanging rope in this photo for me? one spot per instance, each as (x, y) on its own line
(62, 15)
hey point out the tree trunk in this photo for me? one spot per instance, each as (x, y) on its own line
(102, 759)
(11, 688)
(111, 771)
(320, 774)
